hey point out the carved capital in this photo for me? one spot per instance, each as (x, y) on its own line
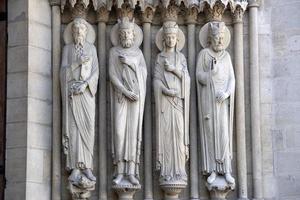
(102, 14)
(191, 15)
(238, 15)
(79, 9)
(147, 15)
(170, 13)
(216, 12)
(54, 2)
(126, 10)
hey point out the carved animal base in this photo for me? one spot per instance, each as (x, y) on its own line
(220, 188)
(126, 190)
(172, 191)
(80, 193)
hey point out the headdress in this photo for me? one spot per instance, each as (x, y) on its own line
(170, 27)
(125, 23)
(216, 28)
(213, 28)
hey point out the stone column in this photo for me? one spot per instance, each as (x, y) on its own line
(102, 18)
(255, 101)
(191, 20)
(147, 16)
(240, 103)
(56, 109)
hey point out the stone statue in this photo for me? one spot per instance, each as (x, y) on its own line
(215, 87)
(79, 79)
(128, 73)
(172, 94)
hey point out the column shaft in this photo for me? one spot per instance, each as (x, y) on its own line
(56, 112)
(102, 111)
(148, 117)
(194, 193)
(255, 104)
(240, 110)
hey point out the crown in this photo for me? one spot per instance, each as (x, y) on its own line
(216, 28)
(125, 23)
(170, 27)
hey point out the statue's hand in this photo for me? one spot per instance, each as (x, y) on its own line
(168, 66)
(123, 60)
(171, 92)
(131, 95)
(221, 96)
(84, 59)
(81, 88)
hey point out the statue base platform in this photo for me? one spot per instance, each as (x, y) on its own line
(80, 193)
(220, 188)
(126, 190)
(172, 190)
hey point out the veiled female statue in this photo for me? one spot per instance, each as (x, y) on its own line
(172, 93)
(128, 73)
(215, 85)
(79, 79)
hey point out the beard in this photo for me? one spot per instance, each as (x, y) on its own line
(127, 43)
(218, 47)
(79, 40)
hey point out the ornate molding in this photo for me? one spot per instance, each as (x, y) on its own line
(216, 12)
(238, 15)
(125, 10)
(191, 15)
(170, 13)
(147, 15)
(102, 14)
(79, 9)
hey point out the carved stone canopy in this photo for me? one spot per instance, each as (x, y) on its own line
(144, 4)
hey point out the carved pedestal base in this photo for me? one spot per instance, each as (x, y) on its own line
(172, 191)
(126, 190)
(220, 188)
(81, 192)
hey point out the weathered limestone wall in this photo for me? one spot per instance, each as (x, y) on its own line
(29, 100)
(279, 41)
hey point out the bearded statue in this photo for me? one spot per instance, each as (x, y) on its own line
(215, 87)
(79, 80)
(128, 73)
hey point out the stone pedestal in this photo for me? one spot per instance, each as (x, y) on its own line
(219, 188)
(172, 191)
(82, 191)
(126, 190)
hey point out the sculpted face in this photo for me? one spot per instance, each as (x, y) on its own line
(79, 32)
(126, 37)
(217, 42)
(170, 39)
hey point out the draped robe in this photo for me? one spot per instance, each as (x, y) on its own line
(172, 117)
(127, 115)
(79, 110)
(215, 119)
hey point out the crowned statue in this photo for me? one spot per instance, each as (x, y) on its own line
(215, 88)
(172, 94)
(128, 73)
(79, 80)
